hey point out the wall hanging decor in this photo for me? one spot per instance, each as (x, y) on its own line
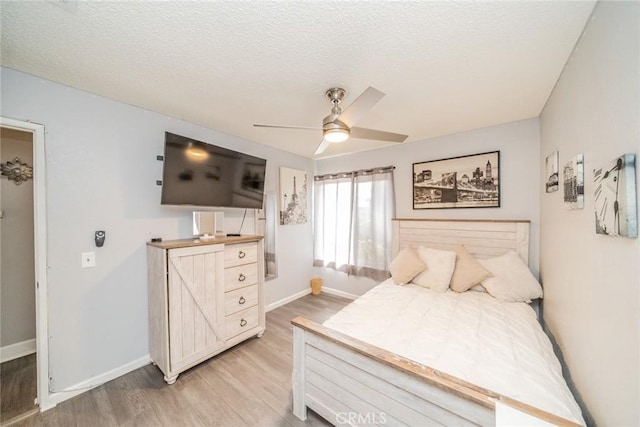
(573, 181)
(615, 197)
(293, 196)
(459, 182)
(17, 171)
(551, 169)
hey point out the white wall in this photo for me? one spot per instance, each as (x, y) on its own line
(519, 146)
(101, 173)
(592, 282)
(17, 282)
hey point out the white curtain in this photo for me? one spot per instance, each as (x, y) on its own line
(352, 221)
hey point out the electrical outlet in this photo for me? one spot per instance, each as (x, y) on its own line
(88, 259)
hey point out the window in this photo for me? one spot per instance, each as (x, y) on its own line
(352, 221)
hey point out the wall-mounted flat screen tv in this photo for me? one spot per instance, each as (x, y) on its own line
(200, 174)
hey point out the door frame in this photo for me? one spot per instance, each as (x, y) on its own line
(40, 254)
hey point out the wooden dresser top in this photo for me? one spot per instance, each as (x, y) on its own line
(184, 243)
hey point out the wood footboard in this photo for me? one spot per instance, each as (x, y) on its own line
(350, 382)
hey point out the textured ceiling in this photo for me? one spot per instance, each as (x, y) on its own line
(446, 67)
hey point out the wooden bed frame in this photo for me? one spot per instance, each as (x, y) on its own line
(348, 381)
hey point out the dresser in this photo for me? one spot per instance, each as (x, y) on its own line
(204, 297)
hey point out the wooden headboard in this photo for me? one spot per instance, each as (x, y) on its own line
(482, 238)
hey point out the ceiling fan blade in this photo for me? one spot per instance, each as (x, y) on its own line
(379, 135)
(285, 127)
(361, 106)
(323, 146)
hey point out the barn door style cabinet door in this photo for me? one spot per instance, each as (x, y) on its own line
(204, 297)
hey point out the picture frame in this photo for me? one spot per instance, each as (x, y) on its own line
(293, 196)
(573, 183)
(616, 211)
(471, 181)
(551, 172)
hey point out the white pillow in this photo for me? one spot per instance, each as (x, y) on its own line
(440, 266)
(405, 266)
(512, 281)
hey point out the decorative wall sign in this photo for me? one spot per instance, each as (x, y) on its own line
(615, 197)
(17, 171)
(551, 168)
(573, 180)
(293, 196)
(459, 182)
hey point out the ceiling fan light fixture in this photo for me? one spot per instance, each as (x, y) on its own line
(336, 135)
(337, 126)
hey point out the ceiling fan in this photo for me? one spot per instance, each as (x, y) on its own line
(338, 126)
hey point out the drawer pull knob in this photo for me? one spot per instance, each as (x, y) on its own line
(241, 254)
(242, 300)
(243, 323)
(241, 277)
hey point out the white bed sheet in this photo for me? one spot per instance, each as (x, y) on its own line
(472, 336)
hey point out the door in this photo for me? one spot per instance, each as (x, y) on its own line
(196, 303)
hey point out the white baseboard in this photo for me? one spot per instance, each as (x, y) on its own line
(19, 349)
(340, 293)
(300, 294)
(98, 380)
(288, 299)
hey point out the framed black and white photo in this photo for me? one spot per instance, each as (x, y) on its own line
(615, 197)
(573, 182)
(293, 196)
(551, 175)
(471, 181)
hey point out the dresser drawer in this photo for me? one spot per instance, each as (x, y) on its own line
(240, 276)
(240, 299)
(240, 253)
(242, 321)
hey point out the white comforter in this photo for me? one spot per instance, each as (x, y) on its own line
(498, 346)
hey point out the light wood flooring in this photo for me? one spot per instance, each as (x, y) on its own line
(17, 387)
(248, 385)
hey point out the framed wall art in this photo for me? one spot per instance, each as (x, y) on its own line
(573, 182)
(551, 169)
(293, 196)
(615, 197)
(471, 181)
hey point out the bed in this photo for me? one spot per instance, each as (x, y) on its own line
(406, 355)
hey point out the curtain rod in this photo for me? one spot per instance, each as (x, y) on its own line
(354, 173)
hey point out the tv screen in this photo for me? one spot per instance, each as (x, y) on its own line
(200, 174)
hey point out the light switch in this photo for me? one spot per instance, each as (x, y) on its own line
(88, 259)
